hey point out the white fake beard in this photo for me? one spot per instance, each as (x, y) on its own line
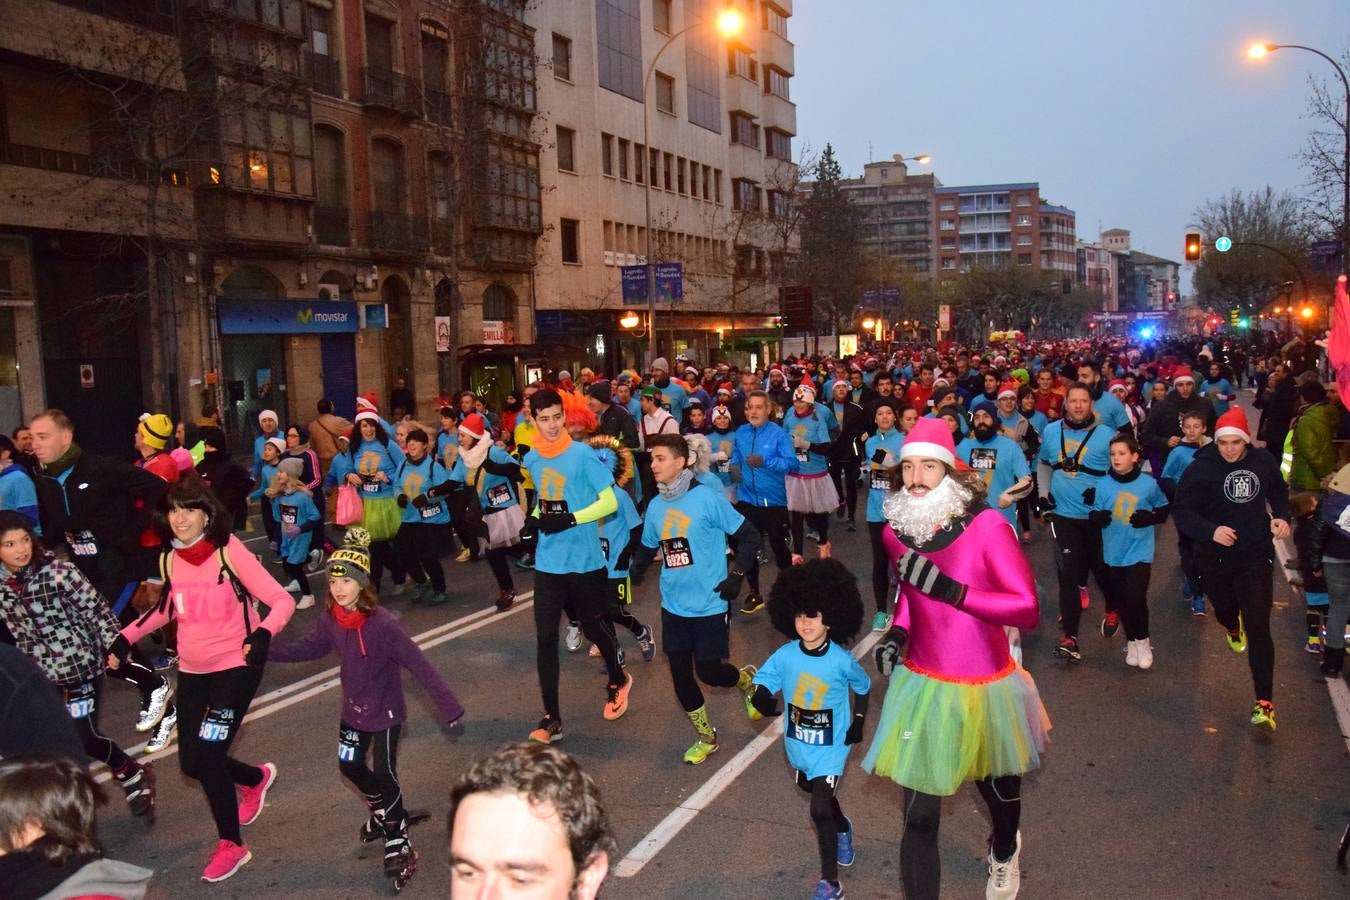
(920, 518)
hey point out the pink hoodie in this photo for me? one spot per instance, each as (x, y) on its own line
(210, 617)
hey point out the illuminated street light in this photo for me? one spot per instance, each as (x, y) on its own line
(730, 22)
(1306, 312)
(869, 323)
(1259, 51)
(629, 320)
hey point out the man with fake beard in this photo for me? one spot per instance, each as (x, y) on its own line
(958, 708)
(998, 459)
(1077, 451)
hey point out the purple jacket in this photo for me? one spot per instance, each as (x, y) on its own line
(372, 689)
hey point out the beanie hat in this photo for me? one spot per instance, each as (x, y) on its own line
(213, 437)
(660, 363)
(268, 414)
(279, 443)
(1008, 388)
(564, 375)
(987, 407)
(720, 411)
(473, 426)
(1233, 424)
(930, 438)
(1183, 373)
(156, 430)
(940, 394)
(601, 391)
(292, 466)
(182, 457)
(804, 394)
(353, 560)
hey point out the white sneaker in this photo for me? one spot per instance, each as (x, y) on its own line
(293, 587)
(163, 735)
(1145, 653)
(1132, 653)
(573, 637)
(153, 710)
(305, 602)
(1004, 877)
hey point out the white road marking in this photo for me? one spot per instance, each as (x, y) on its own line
(665, 831)
(319, 682)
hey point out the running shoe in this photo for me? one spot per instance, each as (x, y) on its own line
(828, 890)
(701, 749)
(617, 704)
(464, 555)
(438, 598)
(314, 563)
(1083, 597)
(572, 640)
(844, 853)
(526, 561)
(373, 829)
(1068, 649)
(1198, 605)
(153, 707)
(824, 550)
(1132, 653)
(306, 601)
(505, 600)
(292, 586)
(549, 731)
(138, 785)
(251, 798)
(797, 559)
(1313, 644)
(852, 526)
(748, 691)
(647, 644)
(752, 603)
(1237, 640)
(1004, 877)
(163, 734)
(165, 661)
(813, 535)
(881, 621)
(421, 590)
(1110, 623)
(1263, 714)
(1145, 653)
(225, 860)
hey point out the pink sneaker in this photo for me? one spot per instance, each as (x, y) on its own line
(251, 798)
(225, 861)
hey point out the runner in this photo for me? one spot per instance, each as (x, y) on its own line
(761, 457)
(422, 534)
(999, 460)
(1193, 438)
(492, 474)
(620, 535)
(299, 518)
(811, 496)
(374, 461)
(882, 452)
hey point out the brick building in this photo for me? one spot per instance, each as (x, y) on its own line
(994, 225)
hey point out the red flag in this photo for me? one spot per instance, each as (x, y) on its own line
(1338, 345)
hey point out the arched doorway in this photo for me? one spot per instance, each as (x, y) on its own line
(252, 366)
(490, 374)
(397, 298)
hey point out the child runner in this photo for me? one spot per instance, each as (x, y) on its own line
(492, 474)
(298, 518)
(56, 618)
(691, 523)
(424, 530)
(1192, 439)
(811, 496)
(271, 451)
(1311, 576)
(881, 452)
(373, 648)
(620, 535)
(819, 605)
(1127, 505)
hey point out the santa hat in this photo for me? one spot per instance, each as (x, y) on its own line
(930, 438)
(724, 388)
(1118, 383)
(473, 426)
(1007, 389)
(364, 403)
(367, 415)
(1233, 424)
(267, 414)
(1183, 373)
(804, 394)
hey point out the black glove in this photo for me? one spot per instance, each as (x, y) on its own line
(1143, 518)
(1044, 506)
(765, 704)
(552, 523)
(625, 559)
(1090, 496)
(855, 728)
(421, 501)
(530, 530)
(887, 653)
(445, 488)
(922, 573)
(258, 642)
(402, 501)
(754, 460)
(730, 587)
(120, 650)
(1099, 518)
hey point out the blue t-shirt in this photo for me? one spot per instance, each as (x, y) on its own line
(18, 494)
(815, 429)
(569, 482)
(878, 482)
(494, 491)
(1110, 412)
(674, 398)
(1177, 461)
(615, 530)
(692, 536)
(414, 478)
(1223, 388)
(371, 458)
(1001, 463)
(1061, 442)
(1122, 543)
(1037, 420)
(816, 707)
(266, 472)
(447, 449)
(295, 509)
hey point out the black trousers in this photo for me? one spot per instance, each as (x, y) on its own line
(920, 862)
(827, 818)
(419, 546)
(773, 522)
(297, 572)
(844, 473)
(382, 553)
(819, 521)
(881, 566)
(1080, 552)
(587, 591)
(211, 707)
(1127, 591)
(1241, 583)
(82, 702)
(378, 781)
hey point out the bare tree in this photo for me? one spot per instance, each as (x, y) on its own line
(1323, 155)
(1247, 276)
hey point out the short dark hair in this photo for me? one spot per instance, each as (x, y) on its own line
(55, 794)
(1128, 440)
(542, 399)
(325, 407)
(192, 493)
(17, 521)
(1078, 386)
(58, 417)
(675, 443)
(543, 775)
(1193, 414)
(15, 433)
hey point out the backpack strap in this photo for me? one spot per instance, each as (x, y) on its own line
(240, 592)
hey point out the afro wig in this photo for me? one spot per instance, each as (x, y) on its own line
(821, 586)
(616, 455)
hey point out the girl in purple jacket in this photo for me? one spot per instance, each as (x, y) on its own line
(373, 647)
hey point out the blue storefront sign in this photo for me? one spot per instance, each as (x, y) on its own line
(669, 283)
(286, 316)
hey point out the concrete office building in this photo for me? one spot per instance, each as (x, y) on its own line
(897, 212)
(1004, 225)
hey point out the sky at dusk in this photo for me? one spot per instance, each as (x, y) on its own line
(1130, 113)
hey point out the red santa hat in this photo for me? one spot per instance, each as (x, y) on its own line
(1183, 373)
(930, 438)
(473, 426)
(1118, 383)
(1233, 424)
(724, 388)
(367, 402)
(1008, 388)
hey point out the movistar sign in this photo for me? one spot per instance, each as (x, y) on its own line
(240, 316)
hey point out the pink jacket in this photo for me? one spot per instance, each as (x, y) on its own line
(210, 617)
(969, 644)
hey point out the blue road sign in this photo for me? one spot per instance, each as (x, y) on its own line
(1223, 244)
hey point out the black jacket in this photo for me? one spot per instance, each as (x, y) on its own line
(1164, 419)
(617, 422)
(853, 426)
(229, 481)
(1213, 492)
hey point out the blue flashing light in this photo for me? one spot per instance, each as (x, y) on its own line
(1146, 332)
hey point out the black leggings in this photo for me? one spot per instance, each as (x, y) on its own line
(587, 591)
(82, 702)
(920, 862)
(819, 521)
(1190, 569)
(881, 566)
(1127, 590)
(712, 672)
(1080, 552)
(1242, 584)
(382, 554)
(211, 708)
(844, 473)
(419, 546)
(772, 521)
(828, 819)
(378, 782)
(620, 602)
(297, 572)
(496, 558)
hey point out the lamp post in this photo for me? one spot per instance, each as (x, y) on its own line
(1260, 51)
(729, 22)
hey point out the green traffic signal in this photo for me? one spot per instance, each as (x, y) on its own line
(1243, 322)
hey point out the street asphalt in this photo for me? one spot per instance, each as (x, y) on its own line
(1155, 785)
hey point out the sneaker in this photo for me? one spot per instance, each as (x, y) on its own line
(138, 784)
(747, 675)
(881, 621)
(421, 590)
(163, 734)
(397, 849)
(225, 860)
(464, 555)
(549, 731)
(1263, 714)
(646, 644)
(306, 601)
(251, 798)
(1333, 661)
(572, 640)
(851, 525)
(526, 561)
(438, 598)
(701, 749)
(828, 890)
(505, 600)
(399, 589)
(292, 586)
(752, 603)
(824, 550)
(1145, 653)
(1083, 597)
(1110, 624)
(1068, 649)
(813, 535)
(153, 707)
(166, 660)
(1313, 644)
(314, 563)
(373, 829)
(617, 704)
(1132, 653)
(844, 853)
(797, 559)
(840, 511)
(1198, 605)
(1004, 877)
(1237, 640)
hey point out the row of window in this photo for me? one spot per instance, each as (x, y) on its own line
(626, 245)
(983, 259)
(623, 159)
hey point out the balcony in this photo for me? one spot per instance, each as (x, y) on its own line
(332, 226)
(80, 164)
(324, 74)
(159, 15)
(438, 107)
(390, 91)
(397, 234)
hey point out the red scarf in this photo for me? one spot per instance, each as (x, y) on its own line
(351, 620)
(196, 554)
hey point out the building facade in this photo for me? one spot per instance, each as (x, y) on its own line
(897, 212)
(995, 225)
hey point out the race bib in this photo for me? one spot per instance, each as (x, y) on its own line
(811, 726)
(675, 553)
(217, 724)
(499, 495)
(430, 511)
(604, 547)
(369, 485)
(349, 742)
(552, 506)
(983, 459)
(880, 481)
(803, 455)
(80, 701)
(82, 542)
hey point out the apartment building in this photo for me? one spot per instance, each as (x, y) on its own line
(897, 212)
(992, 225)
(710, 149)
(259, 203)
(1128, 280)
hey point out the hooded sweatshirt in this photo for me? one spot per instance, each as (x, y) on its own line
(1213, 492)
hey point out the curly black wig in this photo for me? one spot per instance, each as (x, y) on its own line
(823, 586)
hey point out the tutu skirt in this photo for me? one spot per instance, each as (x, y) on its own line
(811, 494)
(381, 517)
(935, 735)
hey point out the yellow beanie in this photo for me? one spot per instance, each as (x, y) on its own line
(156, 430)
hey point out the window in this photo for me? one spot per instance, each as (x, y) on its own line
(653, 163)
(607, 154)
(947, 225)
(946, 206)
(566, 150)
(508, 66)
(266, 147)
(740, 62)
(948, 262)
(745, 195)
(562, 57)
(665, 93)
(1024, 259)
(639, 167)
(1024, 240)
(1023, 219)
(776, 82)
(379, 44)
(623, 159)
(668, 163)
(744, 131)
(717, 185)
(1023, 201)
(778, 205)
(680, 183)
(780, 146)
(694, 180)
(618, 26)
(387, 170)
(571, 242)
(438, 174)
(707, 184)
(661, 16)
(775, 20)
(499, 303)
(703, 67)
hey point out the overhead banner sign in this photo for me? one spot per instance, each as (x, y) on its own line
(286, 316)
(669, 283)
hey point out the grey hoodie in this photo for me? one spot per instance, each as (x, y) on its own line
(103, 878)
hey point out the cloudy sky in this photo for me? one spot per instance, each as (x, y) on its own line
(1132, 112)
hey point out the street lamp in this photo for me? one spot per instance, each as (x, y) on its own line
(922, 159)
(1260, 51)
(629, 320)
(729, 23)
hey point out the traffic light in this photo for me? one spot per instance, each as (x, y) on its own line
(1243, 322)
(1092, 325)
(1192, 246)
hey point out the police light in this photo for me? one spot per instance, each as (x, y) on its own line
(1146, 333)
(1244, 322)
